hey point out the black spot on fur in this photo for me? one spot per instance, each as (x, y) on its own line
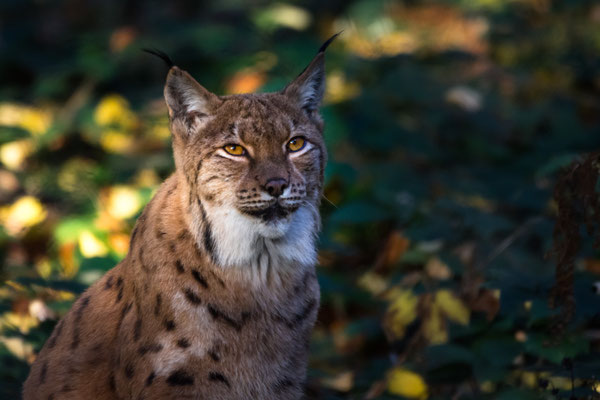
(219, 315)
(150, 348)
(172, 247)
(120, 293)
(56, 334)
(150, 378)
(209, 243)
(109, 283)
(124, 311)
(43, 372)
(207, 238)
(183, 235)
(214, 355)
(192, 297)
(85, 301)
(157, 304)
(283, 384)
(308, 308)
(111, 383)
(169, 324)
(183, 343)
(66, 388)
(179, 267)
(199, 278)
(137, 329)
(218, 377)
(180, 378)
(129, 371)
(51, 397)
(297, 319)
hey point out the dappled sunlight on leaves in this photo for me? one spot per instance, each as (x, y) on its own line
(447, 125)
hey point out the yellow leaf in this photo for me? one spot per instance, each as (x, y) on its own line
(339, 88)
(91, 246)
(66, 255)
(437, 269)
(123, 202)
(373, 283)
(34, 120)
(401, 312)
(147, 178)
(434, 328)
(114, 109)
(403, 382)
(23, 213)
(116, 141)
(452, 307)
(289, 16)
(342, 382)
(13, 154)
(119, 242)
(43, 268)
(18, 347)
(22, 321)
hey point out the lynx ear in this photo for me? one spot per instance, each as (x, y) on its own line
(308, 88)
(187, 99)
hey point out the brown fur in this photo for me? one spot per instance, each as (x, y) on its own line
(183, 316)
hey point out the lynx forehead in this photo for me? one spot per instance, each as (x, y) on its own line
(218, 295)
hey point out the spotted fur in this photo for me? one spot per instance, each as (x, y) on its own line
(218, 294)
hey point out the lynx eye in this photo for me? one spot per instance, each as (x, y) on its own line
(234, 149)
(296, 144)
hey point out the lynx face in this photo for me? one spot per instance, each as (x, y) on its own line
(253, 163)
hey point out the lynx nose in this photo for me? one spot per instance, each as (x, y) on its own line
(276, 186)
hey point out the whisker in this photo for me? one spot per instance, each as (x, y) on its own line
(329, 201)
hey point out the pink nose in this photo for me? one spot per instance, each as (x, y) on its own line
(276, 186)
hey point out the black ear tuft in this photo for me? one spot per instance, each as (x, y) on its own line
(328, 42)
(162, 55)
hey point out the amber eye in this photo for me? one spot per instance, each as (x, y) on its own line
(296, 144)
(235, 149)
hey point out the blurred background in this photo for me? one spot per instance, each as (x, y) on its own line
(448, 124)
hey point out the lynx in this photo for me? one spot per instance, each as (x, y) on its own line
(217, 296)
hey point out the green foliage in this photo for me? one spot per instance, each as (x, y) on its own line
(447, 124)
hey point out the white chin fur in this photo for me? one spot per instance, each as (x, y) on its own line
(245, 241)
(274, 229)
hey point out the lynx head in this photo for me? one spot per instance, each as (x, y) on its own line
(252, 164)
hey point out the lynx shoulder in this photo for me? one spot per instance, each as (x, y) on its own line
(218, 295)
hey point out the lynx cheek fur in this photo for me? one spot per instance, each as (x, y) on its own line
(218, 294)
